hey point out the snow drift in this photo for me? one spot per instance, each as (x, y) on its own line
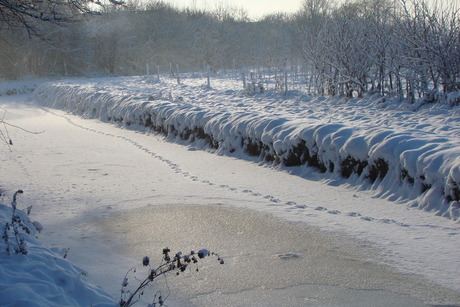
(404, 152)
(42, 277)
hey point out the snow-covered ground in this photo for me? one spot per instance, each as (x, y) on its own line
(39, 276)
(112, 194)
(404, 154)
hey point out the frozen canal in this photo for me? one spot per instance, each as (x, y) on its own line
(115, 195)
(268, 262)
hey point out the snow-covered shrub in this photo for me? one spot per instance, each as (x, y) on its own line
(453, 99)
(250, 89)
(253, 87)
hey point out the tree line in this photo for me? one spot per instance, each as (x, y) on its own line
(395, 48)
(403, 48)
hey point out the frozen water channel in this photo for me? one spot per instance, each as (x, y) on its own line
(268, 262)
(113, 195)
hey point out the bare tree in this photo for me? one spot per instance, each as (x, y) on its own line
(27, 14)
(432, 36)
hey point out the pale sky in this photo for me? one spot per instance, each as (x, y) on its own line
(259, 8)
(254, 8)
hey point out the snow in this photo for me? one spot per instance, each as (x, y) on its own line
(43, 277)
(8, 88)
(371, 138)
(91, 184)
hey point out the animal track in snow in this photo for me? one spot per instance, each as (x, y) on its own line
(178, 170)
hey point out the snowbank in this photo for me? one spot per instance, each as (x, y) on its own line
(405, 152)
(13, 87)
(42, 277)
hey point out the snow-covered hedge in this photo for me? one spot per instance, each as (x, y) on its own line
(411, 153)
(42, 277)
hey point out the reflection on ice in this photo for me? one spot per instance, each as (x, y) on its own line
(268, 261)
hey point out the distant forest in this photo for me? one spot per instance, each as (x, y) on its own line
(393, 47)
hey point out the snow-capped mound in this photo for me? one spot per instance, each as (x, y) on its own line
(407, 152)
(37, 275)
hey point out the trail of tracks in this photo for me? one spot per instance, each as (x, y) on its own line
(177, 169)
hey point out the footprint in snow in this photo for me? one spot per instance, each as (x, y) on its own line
(272, 199)
(388, 221)
(288, 256)
(320, 208)
(391, 221)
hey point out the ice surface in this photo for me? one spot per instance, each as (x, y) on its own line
(268, 261)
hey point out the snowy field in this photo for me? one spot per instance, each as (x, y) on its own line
(111, 195)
